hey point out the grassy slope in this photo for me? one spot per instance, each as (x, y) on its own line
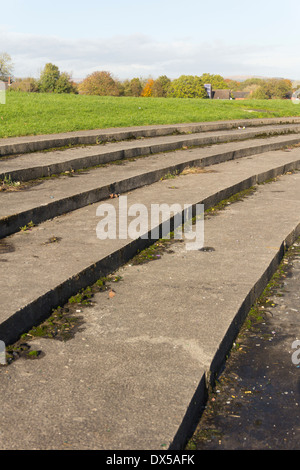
(33, 114)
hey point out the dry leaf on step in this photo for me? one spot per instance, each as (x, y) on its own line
(111, 294)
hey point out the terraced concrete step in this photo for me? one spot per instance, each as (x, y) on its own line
(39, 165)
(25, 144)
(134, 378)
(42, 275)
(61, 195)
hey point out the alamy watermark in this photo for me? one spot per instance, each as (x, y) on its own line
(135, 221)
(2, 93)
(296, 354)
(2, 353)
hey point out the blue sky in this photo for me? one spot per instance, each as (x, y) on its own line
(160, 37)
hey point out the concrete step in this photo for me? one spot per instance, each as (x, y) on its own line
(27, 144)
(36, 165)
(43, 275)
(58, 196)
(135, 377)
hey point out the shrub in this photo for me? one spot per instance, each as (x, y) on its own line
(99, 83)
(29, 85)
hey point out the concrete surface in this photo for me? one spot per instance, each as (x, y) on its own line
(31, 166)
(255, 404)
(134, 377)
(54, 197)
(135, 374)
(24, 144)
(58, 270)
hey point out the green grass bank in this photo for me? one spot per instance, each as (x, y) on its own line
(44, 113)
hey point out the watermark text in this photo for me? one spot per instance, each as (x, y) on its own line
(135, 221)
(2, 353)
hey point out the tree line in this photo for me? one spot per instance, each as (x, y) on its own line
(102, 83)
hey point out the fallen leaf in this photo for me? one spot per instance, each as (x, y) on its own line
(111, 294)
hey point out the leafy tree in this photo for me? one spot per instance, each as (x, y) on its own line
(187, 86)
(133, 87)
(161, 86)
(99, 83)
(261, 93)
(273, 89)
(121, 87)
(52, 81)
(283, 89)
(48, 78)
(233, 85)
(147, 90)
(217, 81)
(64, 84)
(252, 81)
(6, 66)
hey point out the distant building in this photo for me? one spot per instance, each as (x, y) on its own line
(240, 95)
(221, 94)
(226, 94)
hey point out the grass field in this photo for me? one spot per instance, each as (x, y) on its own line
(38, 113)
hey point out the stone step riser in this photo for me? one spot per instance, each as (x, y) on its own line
(38, 310)
(13, 146)
(12, 224)
(36, 172)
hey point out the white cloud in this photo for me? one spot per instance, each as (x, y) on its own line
(140, 55)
